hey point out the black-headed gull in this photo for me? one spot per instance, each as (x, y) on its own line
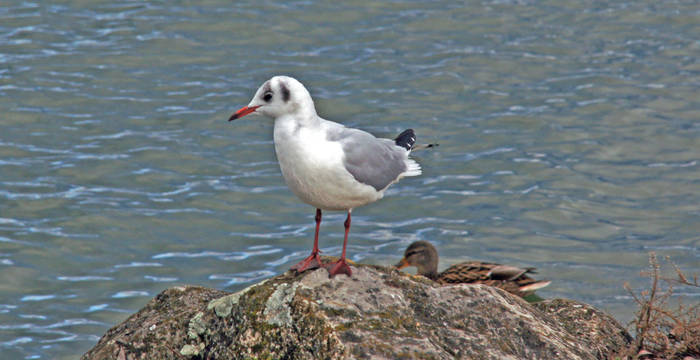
(328, 165)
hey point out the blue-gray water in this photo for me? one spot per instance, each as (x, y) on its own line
(568, 130)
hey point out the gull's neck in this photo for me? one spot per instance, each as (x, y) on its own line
(303, 116)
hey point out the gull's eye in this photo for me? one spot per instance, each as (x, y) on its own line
(267, 97)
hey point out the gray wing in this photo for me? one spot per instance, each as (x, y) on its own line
(372, 161)
(507, 272)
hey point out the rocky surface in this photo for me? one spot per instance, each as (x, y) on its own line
(378, 313)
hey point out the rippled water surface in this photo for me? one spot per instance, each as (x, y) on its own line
(569, 141)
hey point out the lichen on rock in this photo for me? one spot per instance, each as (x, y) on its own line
(196, 326)
(223, 305)
(277, 309)
(191, 350)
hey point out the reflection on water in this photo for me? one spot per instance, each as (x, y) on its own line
(568, 138)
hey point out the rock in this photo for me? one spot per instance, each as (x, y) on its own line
(377, 313)
(159, 330)
(600, 330)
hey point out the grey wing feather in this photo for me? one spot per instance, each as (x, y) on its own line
(371, 161)
(507, 272)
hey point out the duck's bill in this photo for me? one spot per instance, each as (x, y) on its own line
(402, 264)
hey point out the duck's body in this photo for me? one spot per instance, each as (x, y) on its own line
(424, 257)
(511, 279)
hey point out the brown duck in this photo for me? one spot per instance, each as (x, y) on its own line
(424, 257)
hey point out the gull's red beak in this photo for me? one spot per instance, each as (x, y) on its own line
(243, 112)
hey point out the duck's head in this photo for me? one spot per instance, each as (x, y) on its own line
(423, 256)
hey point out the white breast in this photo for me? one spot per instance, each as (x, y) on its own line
(313, 168)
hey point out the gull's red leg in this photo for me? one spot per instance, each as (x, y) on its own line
(341, 266)
(314, 260)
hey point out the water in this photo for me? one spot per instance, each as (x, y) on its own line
(568, 139)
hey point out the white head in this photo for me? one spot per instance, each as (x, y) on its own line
(281, 95)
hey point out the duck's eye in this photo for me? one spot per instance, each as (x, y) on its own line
(267, 97)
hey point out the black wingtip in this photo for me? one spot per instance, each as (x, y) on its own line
(406, 139)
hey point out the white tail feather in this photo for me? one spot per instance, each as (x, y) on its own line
(412, 168)
(535, 286)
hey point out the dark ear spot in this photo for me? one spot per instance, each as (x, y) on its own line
(285, 92)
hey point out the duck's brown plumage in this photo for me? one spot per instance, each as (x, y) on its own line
(424, 257)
